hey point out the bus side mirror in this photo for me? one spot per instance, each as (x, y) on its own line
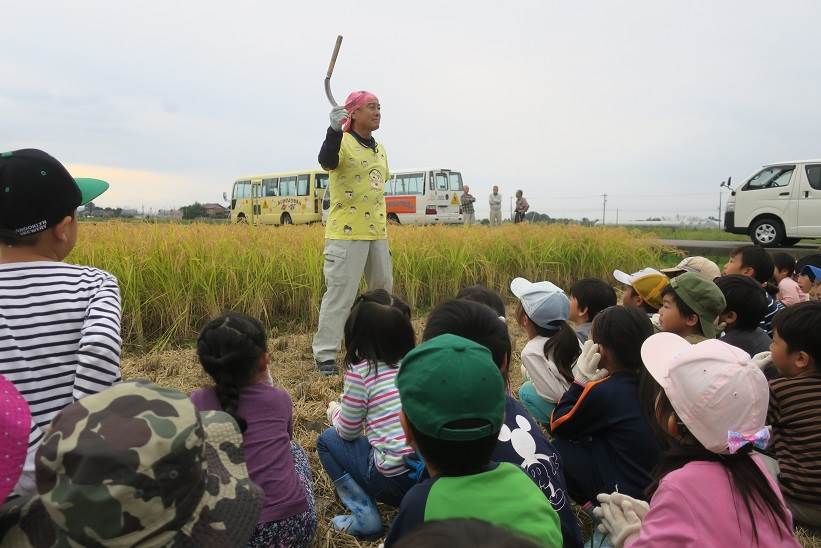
(224, 196)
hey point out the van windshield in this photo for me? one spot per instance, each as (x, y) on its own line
(770, 177)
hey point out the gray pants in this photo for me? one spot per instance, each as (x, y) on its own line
(469, 218)
(345, 262)
(495, 217)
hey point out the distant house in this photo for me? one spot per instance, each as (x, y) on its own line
(169, 213)
(215, 211)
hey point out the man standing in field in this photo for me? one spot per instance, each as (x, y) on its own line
(521, 207)
(356, 238)
(495, 207)
(467, 206)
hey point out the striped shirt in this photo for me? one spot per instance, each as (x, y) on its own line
(59, 335)
(371, 401)
(795, 416)
(773, 308)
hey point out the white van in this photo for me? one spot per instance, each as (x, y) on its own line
(778, 205)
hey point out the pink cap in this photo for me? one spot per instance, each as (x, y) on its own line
(15, 425)
(355, 101)
(715, 388)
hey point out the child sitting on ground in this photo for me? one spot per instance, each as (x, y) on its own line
(521, 441)
(485, 296)
(552, 348)
(603, 436)
(789, 293)
(453, 408)
(60, 328)
(588, 297)
(364, 450)
(643, 289)
(232, 349)
(703, 266)
(795, 409)
(746, 306)
(709, 490)
(691, 306)
(755, 262)
(809, 279)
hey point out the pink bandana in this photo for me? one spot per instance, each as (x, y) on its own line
(15, 425)
(355, 101)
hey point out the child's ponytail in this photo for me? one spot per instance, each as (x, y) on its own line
(229, 348)
(562, 348)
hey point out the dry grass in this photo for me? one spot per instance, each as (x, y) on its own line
(293, 369)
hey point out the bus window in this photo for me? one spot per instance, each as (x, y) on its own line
(287, 186)
(410, 183)
(271, 187)
(242, 189)
(302, 185)
(322, 180)
(390, 184)
(441, 181)
(455, 181)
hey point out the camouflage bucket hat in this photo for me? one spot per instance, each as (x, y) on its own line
(137, 465)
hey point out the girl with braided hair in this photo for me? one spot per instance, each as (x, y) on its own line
(232, 350)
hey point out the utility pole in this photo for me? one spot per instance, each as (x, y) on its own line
(603, 207)
(617, 217)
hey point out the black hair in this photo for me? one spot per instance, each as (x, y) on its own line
(593, 294)
(645, 306)
(813, 260)
(456, 458)
(622, 330)
(378, 329)
(784, 261)
(473, 321)
(562, 346)
(746, 478)
(481, 294)
(799, 325)
(463, 533)
(744, 297)
(758, 259)
(229, 348)
(683, 308)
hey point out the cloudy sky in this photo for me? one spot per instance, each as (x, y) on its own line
(651, 102)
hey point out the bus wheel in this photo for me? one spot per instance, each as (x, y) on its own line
(393, 219)
(242, 220)
(286, 219)
(767, 232)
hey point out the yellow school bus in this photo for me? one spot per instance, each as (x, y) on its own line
(279, 198)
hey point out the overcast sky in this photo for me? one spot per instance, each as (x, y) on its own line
(652, 102)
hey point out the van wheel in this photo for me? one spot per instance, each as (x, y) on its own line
(393, 219)
(286, 219)
(242, 220)
(767, 232)
(789, 242)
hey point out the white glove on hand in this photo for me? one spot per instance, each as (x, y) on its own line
(338, 116)
(620, 523)
(587, 366)
(655, 319)
(333, 407)
(763, 359)
(619, 499)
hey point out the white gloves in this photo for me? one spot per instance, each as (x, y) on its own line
(333, 407)
(338, 116)
(655, 319)
(587, 366)
(763, 359)
(620, 522)
(619, 499)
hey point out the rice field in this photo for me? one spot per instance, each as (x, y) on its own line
(174, 277)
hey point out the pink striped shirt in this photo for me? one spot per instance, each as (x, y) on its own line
(370, 402)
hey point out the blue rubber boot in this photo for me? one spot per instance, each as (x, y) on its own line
(364, 521)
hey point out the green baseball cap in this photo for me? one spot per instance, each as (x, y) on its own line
(703, 296)
(448, 379)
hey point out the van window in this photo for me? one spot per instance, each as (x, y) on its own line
(441, 181)
(322, 180)
(456, 181)
(302, 185)
(242, 189)
(287, 186)
(770, 177)
(410, 183)
(271, 187)
(814, 176)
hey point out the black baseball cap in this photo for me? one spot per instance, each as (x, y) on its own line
(37, 192)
